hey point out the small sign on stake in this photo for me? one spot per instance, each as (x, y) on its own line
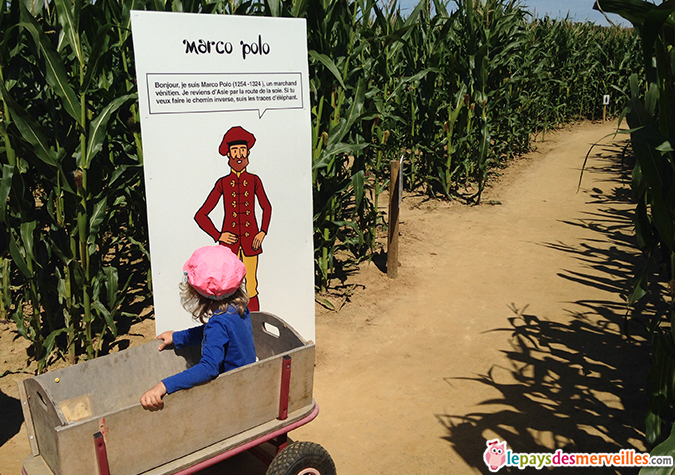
(605, 103)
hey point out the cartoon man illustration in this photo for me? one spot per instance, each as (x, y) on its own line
(239, 190)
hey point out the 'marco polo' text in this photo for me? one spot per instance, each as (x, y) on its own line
(202, 46)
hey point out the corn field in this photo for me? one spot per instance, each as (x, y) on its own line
(457, 94)
(650, 114)
(457, 88)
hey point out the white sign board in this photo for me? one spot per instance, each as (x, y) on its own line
(605, 100)
(210, 86)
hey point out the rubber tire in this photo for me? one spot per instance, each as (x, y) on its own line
(299, 456)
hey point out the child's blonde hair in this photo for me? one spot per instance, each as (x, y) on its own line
(202, 308)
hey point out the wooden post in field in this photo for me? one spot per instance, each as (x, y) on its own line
(394, 207)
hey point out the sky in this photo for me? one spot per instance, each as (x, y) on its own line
(579, 10)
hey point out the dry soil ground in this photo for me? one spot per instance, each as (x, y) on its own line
(505, 321)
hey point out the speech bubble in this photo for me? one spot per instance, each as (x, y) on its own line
(193, 93)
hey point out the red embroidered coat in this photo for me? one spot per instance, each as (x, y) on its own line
(239, 194)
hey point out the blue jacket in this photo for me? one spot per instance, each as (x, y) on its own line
(227, 343)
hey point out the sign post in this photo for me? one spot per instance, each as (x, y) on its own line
(605, 103)
(395, 196)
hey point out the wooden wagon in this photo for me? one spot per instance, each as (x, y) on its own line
(87, 419)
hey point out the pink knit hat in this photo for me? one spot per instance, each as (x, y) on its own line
(214, 272)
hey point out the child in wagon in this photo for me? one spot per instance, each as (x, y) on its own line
(213, 293)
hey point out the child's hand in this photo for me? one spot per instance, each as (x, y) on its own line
(167, 339)
(152, 399)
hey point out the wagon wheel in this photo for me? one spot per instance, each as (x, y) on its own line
(302, 458)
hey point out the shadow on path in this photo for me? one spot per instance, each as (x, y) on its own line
(11, 417)
(577, 384)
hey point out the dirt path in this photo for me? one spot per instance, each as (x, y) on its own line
(505, 322)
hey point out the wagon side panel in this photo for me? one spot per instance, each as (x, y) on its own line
(273, 336)
(28, 417)
(191, 419)
(77, 450)
(104, 385)
(47, 417)
(302, 378)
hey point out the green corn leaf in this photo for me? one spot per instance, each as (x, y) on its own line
(96, 285)
(645, 138)
(77, 273)
(115, 176)
(116, 295)
(274, 7)
(68, 14)
(354, 112)
(653, 28)
(667, 447)
(415, 14)
(140, 246)
(50, 342)
(639, 185)
(55, 70)
(358, 182)
(652, 99)
(639, 286)
(653, 426)
(661, 218)
(298, 8)
(158, 5)
(411, 79)
(18, 258)
(665, 147)
(35, 7)
(20, 321)
(329, 153)
(329, 64)
(110, 322)
(325, 303)
(643, 231)
(61, 287)
(98, 127)
(5, 188)
(95, 55)
(64, 183)
(30, 129)
(27, 237)
(97, 217)
(635, 11)
(111, 285)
